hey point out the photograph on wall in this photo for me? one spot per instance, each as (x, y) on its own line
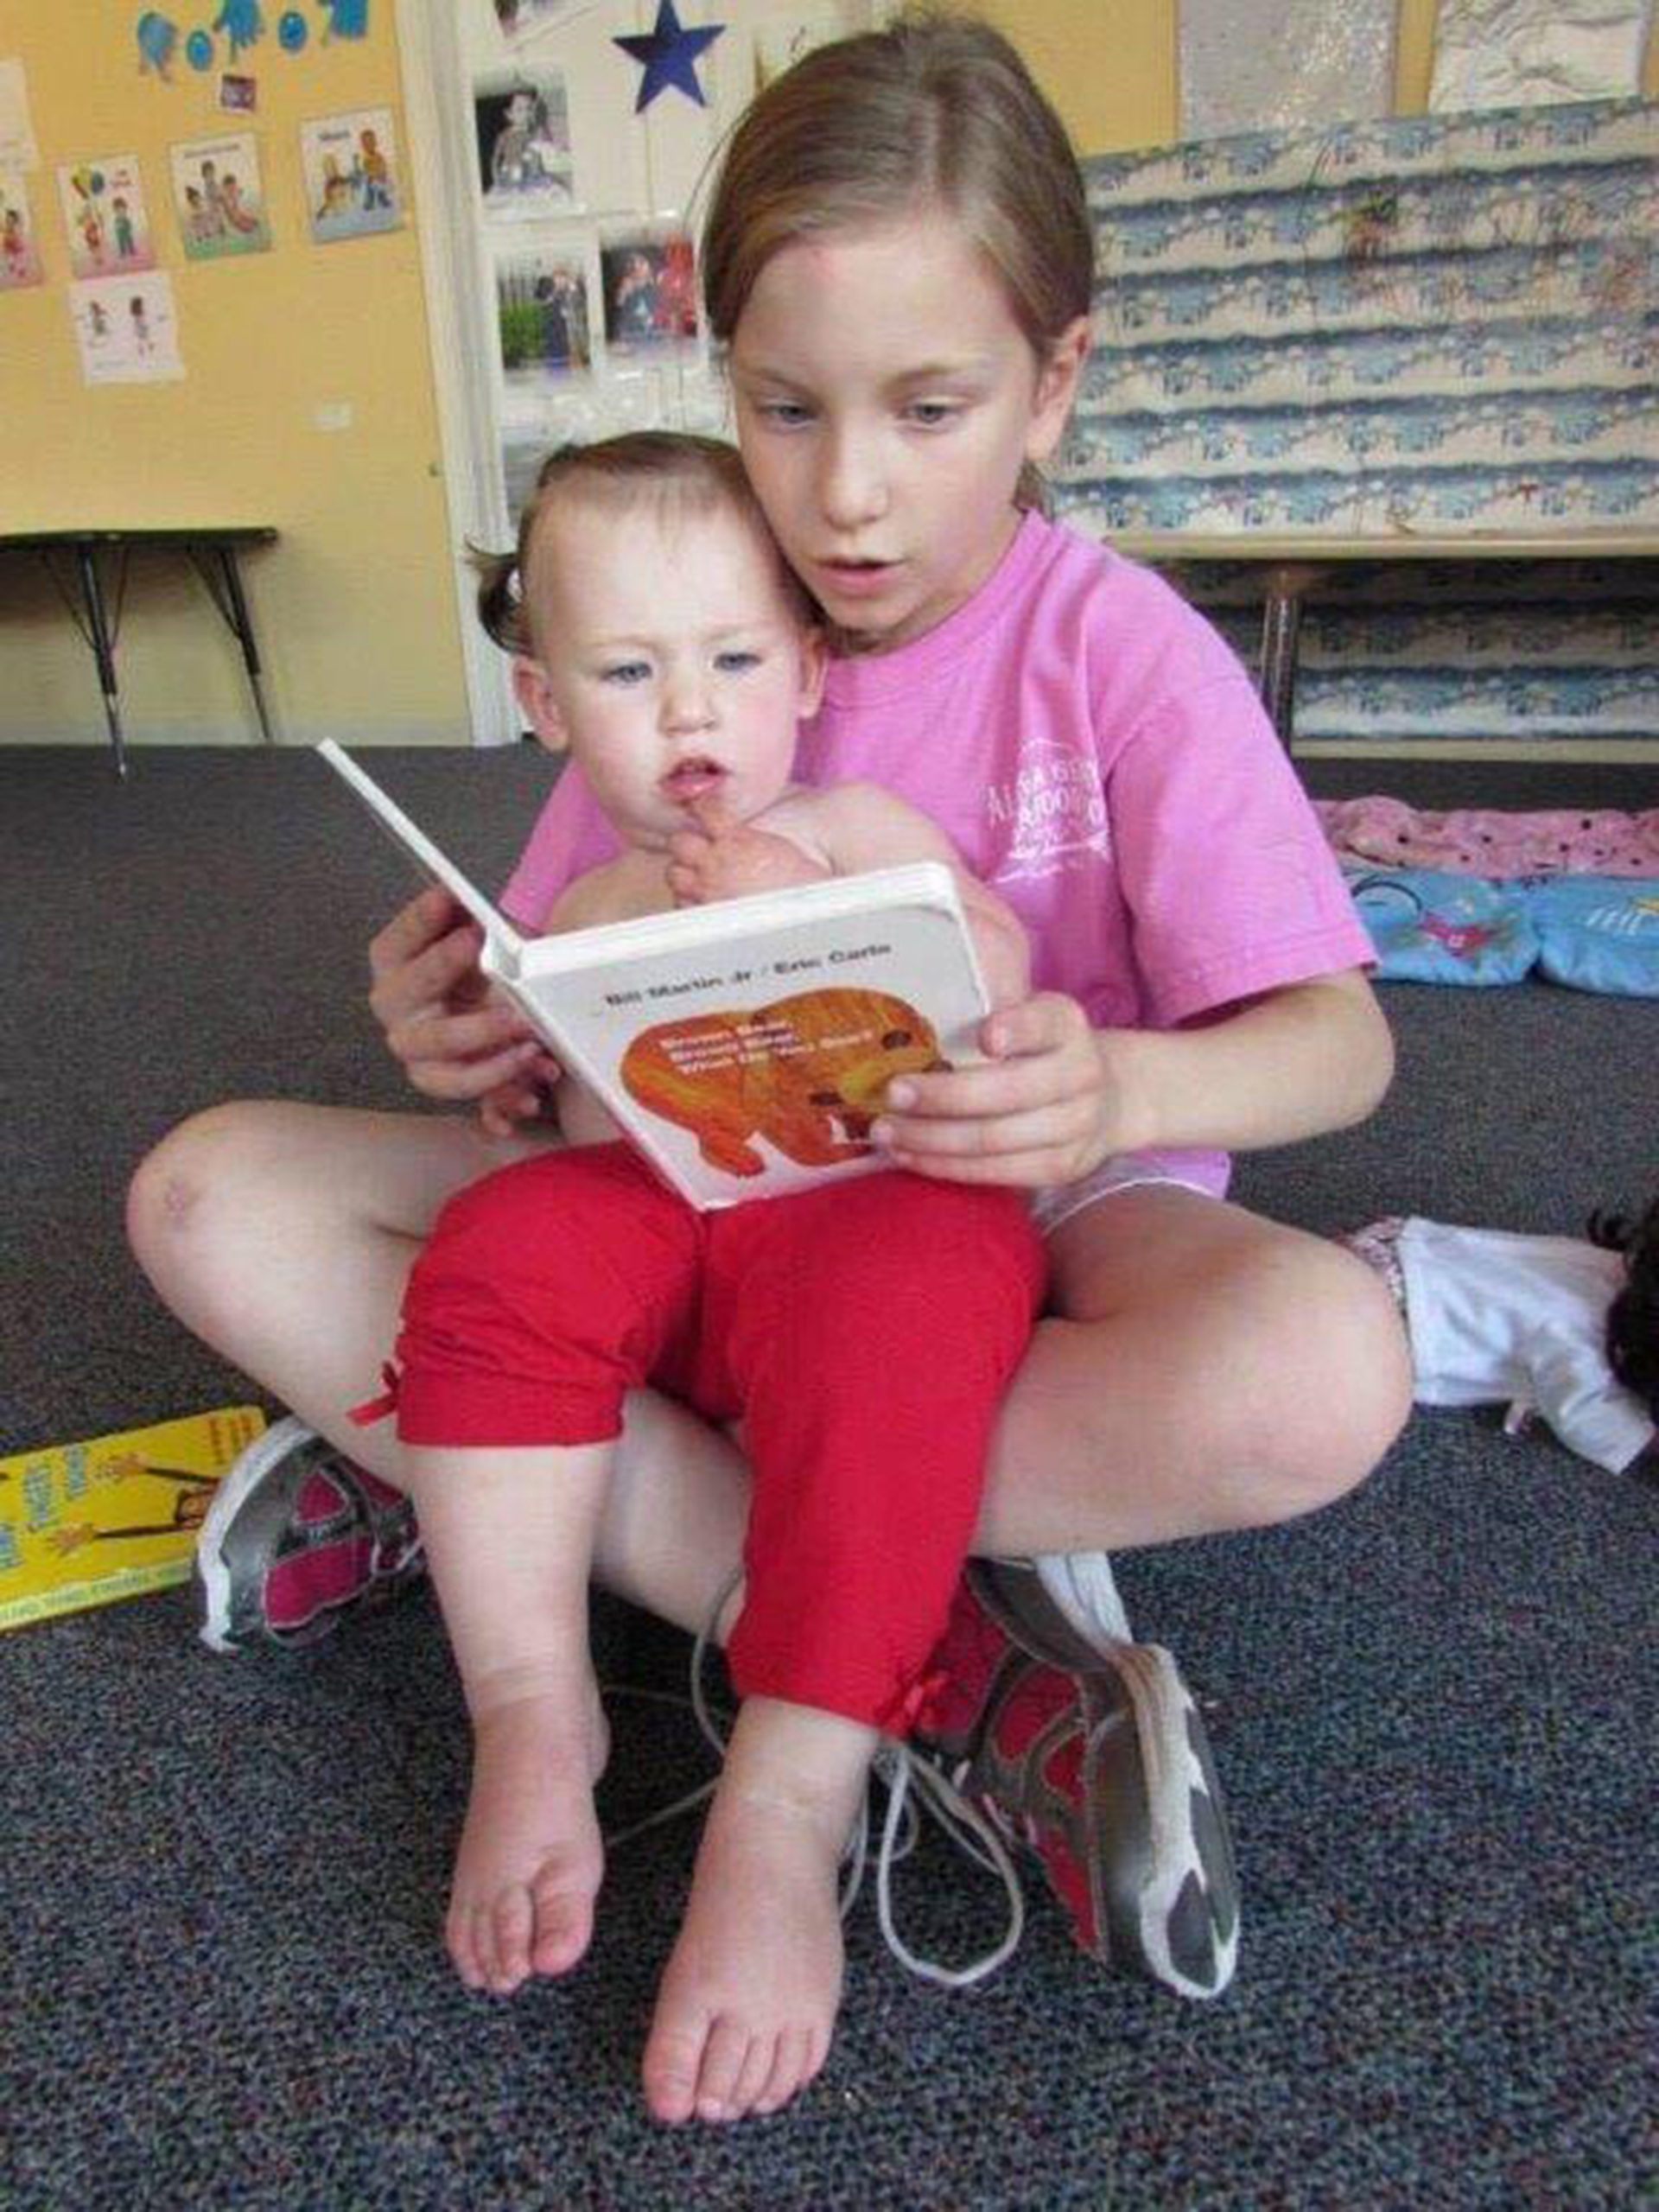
(649, 283)
(523, 19)
(544, 323)
(522, 124)
(239, 95)
(217, 199)
(126, 330)
(352, 186)
(19, 257)
(104, 215)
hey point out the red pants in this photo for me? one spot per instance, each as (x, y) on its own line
(864, 1331)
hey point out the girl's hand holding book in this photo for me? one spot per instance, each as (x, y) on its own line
(1043, 1107)
(457, 1040)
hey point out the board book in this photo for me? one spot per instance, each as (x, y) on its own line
(82, 1524)
(744, 1047)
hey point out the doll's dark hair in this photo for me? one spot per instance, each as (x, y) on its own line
(694, 475)
(1633, 1317)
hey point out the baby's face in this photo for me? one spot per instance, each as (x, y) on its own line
(676, 664)
(677, 669)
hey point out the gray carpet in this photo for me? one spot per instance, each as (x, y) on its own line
(222, 1880)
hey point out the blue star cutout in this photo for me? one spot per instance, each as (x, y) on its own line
(670, 53)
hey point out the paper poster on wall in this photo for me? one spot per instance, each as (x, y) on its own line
(1535, 52)
(218, 198)
(17, 146)
(126, 330)
(239, 95)
(19, 257)
(1260, 64)
(544, 324)
(352, 182)
(780, 46)
(651, 293)
(104, 215)
(522, 124)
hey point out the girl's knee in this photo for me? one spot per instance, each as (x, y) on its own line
(1345, 1390)
(211, 1152)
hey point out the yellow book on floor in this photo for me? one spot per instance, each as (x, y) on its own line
(82, 1524)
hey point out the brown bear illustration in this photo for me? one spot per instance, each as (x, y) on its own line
(807, 1073)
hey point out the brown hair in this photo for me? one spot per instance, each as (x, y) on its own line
(1633, 1317)
(937, 110)
(701, 474)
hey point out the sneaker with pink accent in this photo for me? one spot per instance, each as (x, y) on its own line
(1094, 1756)
(296, 1537)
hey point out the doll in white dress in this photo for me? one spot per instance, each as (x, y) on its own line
(1563, 1328)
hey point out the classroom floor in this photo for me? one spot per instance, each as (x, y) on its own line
(223, 1879)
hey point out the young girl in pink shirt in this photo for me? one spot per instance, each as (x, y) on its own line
(897, 264)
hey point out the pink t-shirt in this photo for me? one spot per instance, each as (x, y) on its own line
(1099, 755)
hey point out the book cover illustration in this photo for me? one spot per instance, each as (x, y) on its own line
(112, 1517)
(806, 1073)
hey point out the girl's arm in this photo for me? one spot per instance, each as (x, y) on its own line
(1057, 1098)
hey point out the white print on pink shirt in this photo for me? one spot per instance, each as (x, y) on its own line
(1052, 816)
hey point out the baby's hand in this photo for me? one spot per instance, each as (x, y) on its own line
(719, 858)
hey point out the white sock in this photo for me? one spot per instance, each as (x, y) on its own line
(1081, 1584)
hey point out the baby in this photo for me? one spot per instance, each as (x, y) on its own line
(862, 1332)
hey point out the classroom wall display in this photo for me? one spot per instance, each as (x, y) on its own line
(521, 121)
(19, 257)
(218, 198)
(352, 182)
(519, 20)
(1437, 323)
(650, 288)
(105, 216)
(1433, 325)
(126, 328)
(1256, 65)
(1524, 53)
(544, 324)
(239, 95)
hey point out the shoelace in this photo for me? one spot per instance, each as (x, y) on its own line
(914, 1786)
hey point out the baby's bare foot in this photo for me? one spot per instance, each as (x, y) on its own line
(748, 2001)
(530, 1858)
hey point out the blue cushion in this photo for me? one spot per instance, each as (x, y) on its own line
(1431, 925)
(1599, 932)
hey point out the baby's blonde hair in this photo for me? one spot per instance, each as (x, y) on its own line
(698, 476)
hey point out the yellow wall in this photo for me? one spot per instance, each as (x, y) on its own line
(355, 606)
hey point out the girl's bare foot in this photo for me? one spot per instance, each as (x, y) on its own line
(748, 2000)
(530, 1858)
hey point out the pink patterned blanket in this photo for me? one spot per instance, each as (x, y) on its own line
(1482, 840)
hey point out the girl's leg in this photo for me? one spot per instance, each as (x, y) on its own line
(541, 1291)
(869, 1385)
(283, 1233)
(1204, 1370)
(509, 1541)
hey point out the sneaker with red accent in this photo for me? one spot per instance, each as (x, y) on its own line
(296, 1537)
(1094, 1756)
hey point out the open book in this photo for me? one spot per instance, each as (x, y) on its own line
(743, 1047)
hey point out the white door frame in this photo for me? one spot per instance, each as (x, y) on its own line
(440, 165)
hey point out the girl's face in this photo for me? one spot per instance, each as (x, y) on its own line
(886, 400)
(674, 666)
